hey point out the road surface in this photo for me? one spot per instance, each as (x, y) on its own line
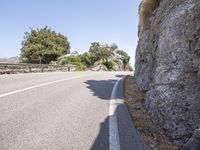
(65, 111)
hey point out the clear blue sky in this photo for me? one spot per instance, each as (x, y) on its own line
(82, 21)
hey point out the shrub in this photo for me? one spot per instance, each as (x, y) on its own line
(109, 65)
(69, 60)
(73, 60)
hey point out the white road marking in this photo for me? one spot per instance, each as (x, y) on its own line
(40, 85)
(114, 143)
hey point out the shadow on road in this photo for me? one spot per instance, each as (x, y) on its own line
(102, 88)
(128, 135)
(102, 140)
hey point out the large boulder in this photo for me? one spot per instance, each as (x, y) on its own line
(119, 66)
(116, 58)
(167, 67)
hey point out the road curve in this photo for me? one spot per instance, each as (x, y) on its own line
(63, 111)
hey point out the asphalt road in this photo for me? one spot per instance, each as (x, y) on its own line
(65, 111)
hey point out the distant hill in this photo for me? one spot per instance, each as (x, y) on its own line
(10, 60)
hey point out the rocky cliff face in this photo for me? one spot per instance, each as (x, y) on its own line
(168, 67)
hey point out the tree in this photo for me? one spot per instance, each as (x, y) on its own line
(88, 59)
(43, 46)
(109, 65)
(125, 57)
(100, 51)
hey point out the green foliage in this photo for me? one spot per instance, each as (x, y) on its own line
(80, 67)
(73, 60)
(98, 53)
(43, 45)
(69, 60)
(87, 59)
(101, 52)
(125, 57)
(109, 65)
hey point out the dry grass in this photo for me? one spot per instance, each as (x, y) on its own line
(154, 137)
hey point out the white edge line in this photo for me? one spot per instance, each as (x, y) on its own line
(114, 143)
(40, 85)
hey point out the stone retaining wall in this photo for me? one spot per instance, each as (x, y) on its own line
(27, 68)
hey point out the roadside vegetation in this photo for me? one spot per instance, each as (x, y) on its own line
(45, 46)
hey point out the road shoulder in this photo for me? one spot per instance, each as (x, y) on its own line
(153, 135)
(129, 137)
